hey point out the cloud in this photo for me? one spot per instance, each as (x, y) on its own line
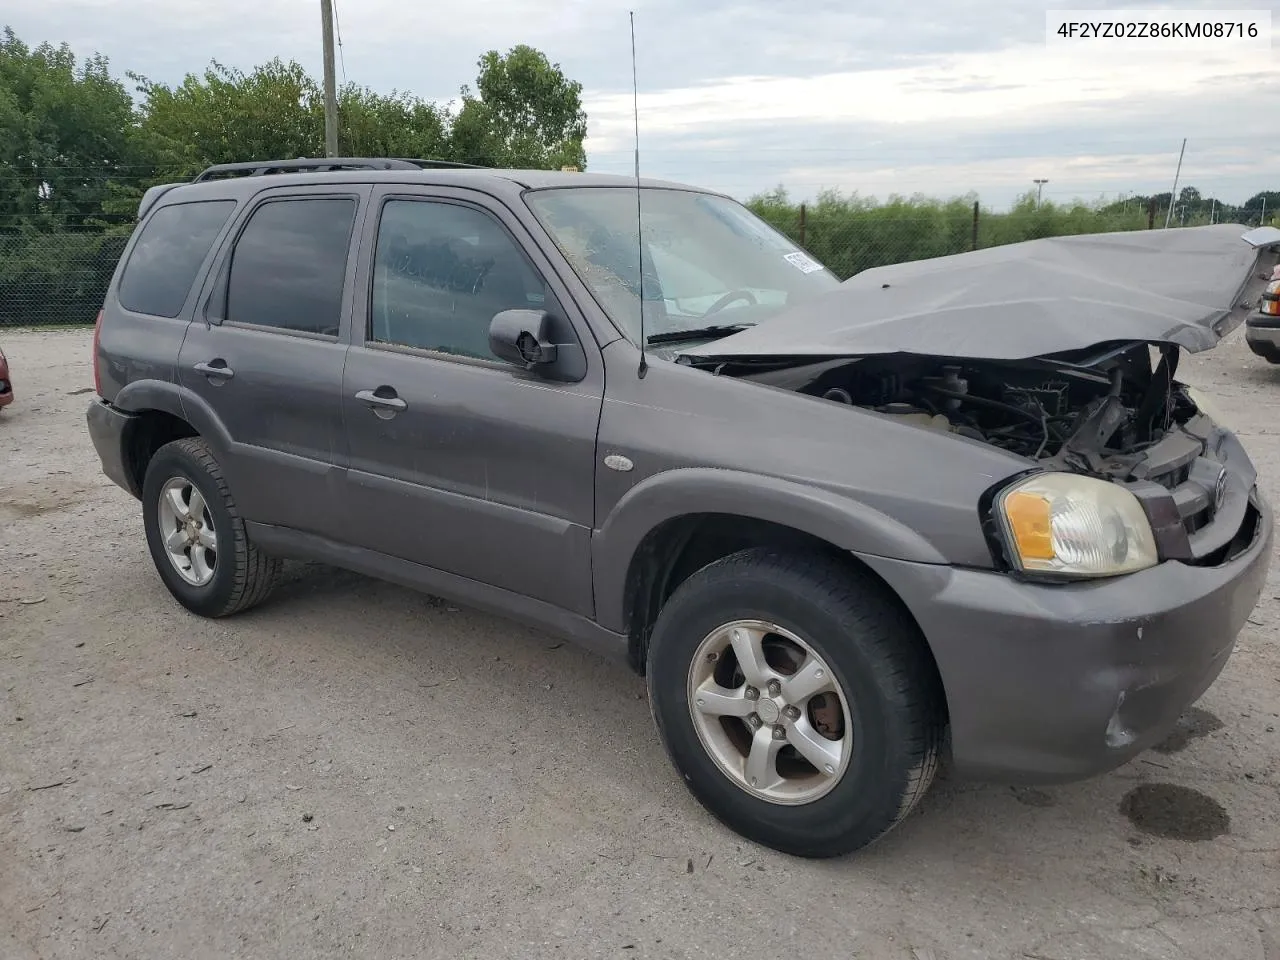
(962, 87)
(991, 122)
(941, 95)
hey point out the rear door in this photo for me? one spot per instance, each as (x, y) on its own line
(145, 316)
(265, 352)
(459, 461)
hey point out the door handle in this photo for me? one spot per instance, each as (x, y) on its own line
(383, 401)
(215, 369)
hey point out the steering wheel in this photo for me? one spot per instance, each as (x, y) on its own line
(729, 298)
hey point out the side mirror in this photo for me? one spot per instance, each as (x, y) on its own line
(523, 337)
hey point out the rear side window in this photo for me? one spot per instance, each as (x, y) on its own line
(288, 267)
(168, 254)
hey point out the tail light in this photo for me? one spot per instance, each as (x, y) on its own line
(1271, 300)
(97, 364)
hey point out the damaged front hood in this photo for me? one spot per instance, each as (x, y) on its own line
(1181, 287)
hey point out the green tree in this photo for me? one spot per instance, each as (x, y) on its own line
(1262, 207)
(396, 125)
(67, 130)
(527, 114)
(227, 115)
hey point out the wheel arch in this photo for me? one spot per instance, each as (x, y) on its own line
(161, 413)
(668, 528)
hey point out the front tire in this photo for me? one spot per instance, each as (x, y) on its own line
(797, 699)
(196, 536)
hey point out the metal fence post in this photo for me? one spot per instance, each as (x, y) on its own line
(974, 245)
(1151, 214)
(802, 224)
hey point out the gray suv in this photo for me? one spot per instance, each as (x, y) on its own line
(844, 530)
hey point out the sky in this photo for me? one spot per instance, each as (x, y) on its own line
(941, 97)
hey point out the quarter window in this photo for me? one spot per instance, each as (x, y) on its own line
(441, 272)
(167, 255)
(289, 265)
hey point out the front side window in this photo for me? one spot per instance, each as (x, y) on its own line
(441, 272)
(289, 265)
(706, 260)
(168, 254)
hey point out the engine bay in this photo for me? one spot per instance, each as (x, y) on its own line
(1094, 412)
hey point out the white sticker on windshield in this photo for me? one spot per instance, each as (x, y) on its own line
(803, 262)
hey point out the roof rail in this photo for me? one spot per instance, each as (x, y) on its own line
(257, 168)
(443, 164)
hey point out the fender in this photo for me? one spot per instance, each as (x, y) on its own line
(845, 523)
(174, 399)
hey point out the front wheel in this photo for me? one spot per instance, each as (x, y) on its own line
(197, 539)
(799, 701)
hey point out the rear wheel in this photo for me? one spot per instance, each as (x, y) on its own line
(797, 699)
(197, 539)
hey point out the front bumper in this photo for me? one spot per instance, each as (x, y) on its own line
(109, 428)
(1051, 683)
(1262, 334)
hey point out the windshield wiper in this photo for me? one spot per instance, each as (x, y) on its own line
(698, 333)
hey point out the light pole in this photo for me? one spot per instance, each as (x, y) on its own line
(330, 99)
(1039, 189)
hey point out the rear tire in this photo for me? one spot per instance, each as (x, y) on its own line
(196, 536)
(832, 622)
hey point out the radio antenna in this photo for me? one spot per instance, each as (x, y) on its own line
(635, 109)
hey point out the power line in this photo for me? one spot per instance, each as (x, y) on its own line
(341, 56)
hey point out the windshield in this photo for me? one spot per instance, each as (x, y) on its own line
(708, 261)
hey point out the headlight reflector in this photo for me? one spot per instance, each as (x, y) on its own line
(1074, 526)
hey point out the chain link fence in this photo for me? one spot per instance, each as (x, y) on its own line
(55, 278)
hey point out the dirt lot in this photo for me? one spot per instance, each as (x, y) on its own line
(355, 770)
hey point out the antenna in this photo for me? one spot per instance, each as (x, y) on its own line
(1173, 194)
(635, 108)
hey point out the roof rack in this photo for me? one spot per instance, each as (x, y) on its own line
(257, 168)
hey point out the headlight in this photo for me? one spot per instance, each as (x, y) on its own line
(1060, 523)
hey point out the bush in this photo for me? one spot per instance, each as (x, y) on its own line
(850, 234)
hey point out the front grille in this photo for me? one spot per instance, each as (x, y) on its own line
(1211, 480)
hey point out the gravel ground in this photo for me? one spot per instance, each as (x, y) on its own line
(357, 770)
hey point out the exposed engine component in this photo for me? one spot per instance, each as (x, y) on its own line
(917, 417)
(1088, 410)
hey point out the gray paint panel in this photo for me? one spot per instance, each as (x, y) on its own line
(1024, 300)
(487, 473)
(854, 478)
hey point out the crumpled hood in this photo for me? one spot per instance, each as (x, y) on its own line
(1179, 286)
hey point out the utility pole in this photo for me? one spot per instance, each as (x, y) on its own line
(330, 94)
(1039, 190)
(1173, 194)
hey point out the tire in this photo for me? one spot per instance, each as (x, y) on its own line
(241, 575)
(886, 683)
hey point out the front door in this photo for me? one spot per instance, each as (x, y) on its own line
(264, 353)
(458, 461)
